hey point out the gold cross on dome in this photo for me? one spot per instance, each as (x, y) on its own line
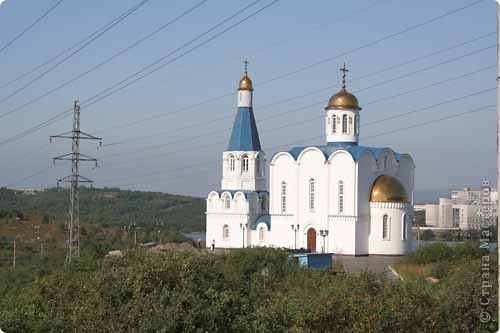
(344, 71)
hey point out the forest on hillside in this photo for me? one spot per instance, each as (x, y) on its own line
(251, 290)
(109, 207)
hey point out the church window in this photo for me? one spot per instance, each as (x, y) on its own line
(405, 227)
(261, 234)
(227, 202)
(244, 165)
(232, 163)
(257, 166)
(350, 124)
(356, 124)
(385, 162)
(334, 124)
(311, 194)
(344, 123)
(341, 197)
(263, 203)
(385, 227)
(225, 232)
(283, 197)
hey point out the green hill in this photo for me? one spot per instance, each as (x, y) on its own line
(109, 207)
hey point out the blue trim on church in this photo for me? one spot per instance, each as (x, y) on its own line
(264, 219)
(244, 136)
(354, 149)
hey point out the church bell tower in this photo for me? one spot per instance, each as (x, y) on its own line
(244, 161)
(342, 116)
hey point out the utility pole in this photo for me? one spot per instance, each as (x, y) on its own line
(73, 227)
(295, 228)
(243, 227)
(14, 254)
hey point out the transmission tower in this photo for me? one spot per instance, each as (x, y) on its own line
(73, 225)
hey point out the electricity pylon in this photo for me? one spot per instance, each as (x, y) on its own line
(73, 225)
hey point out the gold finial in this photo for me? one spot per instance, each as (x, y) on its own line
(344, 71)
(245, 82)
(246, 62)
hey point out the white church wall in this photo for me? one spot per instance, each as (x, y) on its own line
(238, 179)
(393, 244)
(342, 168)
(405, 173)
(282, 234)
(312, 166)
(283, 168)
(341, 236)
(366, 170)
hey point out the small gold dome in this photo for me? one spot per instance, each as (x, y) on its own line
(343, 100)
(388, 189)
(245, 83)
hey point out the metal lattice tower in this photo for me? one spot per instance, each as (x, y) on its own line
(73, 225)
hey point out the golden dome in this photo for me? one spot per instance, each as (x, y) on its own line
(388, 189)
(245, 83)
(343, 100)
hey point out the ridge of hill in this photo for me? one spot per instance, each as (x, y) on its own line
(108, 207)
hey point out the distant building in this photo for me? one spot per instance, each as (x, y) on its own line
(461, 210)
(27, 191)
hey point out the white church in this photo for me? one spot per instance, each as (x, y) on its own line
(340, 197)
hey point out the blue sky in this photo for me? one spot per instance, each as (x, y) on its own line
(169, 153)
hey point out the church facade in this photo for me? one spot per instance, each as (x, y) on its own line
(339, 197)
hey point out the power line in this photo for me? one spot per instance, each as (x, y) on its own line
(20, 181)
(228, 94)
(80, 42)
(288, 99)
(295, 123)
(430, 122)
(480, 109)
(29, 27)
(102, 63)
(63, 60)
(65, 113)
(96, 97)
(403, 76)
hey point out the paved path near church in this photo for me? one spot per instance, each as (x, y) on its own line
(374, 264)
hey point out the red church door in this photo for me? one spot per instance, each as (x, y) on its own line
(311, 240)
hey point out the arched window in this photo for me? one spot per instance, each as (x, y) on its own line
(356, 124)
(225, 232)
(232, 163)
(385, 162)
(261, 234)
(244, 164)
(344, 123)
(334, 124)
(257, 166)
(263, 203)
(283, 197)
(341, 197)
(350, 125)
(227, 202)
(405, 227)
(311, 194)
(385, 227)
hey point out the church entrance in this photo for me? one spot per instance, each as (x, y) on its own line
(311, 240)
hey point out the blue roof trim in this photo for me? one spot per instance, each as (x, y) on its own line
(264, 219)
(233, 192)
(244, 136)
(354, 149)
